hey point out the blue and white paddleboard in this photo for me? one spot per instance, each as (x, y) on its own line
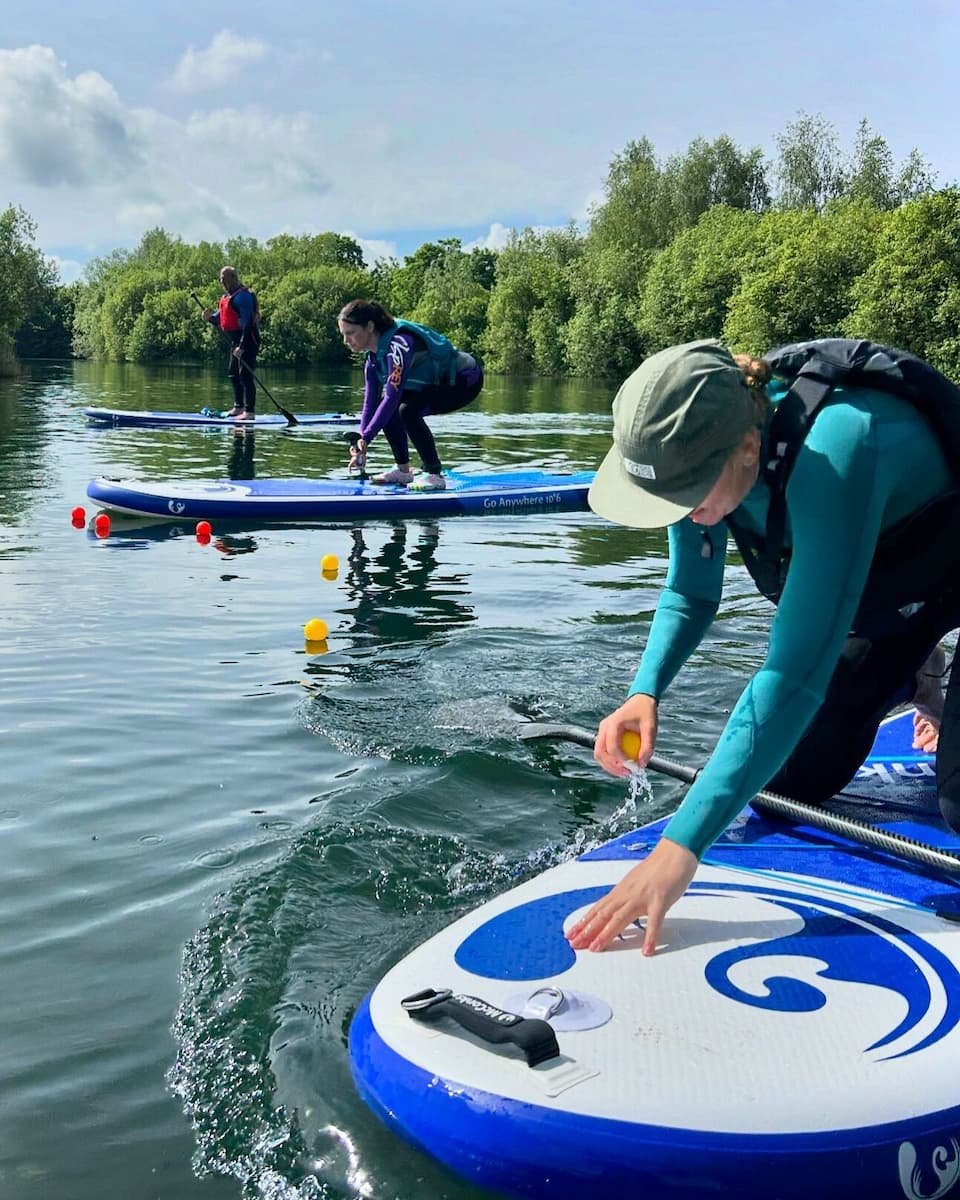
(339, 499)
(346, 422)
(796, 1035)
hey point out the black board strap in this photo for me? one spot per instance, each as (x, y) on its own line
(533, 1037)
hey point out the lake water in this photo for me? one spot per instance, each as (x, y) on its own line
(213, 842)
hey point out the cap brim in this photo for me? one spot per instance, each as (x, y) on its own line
(617, 497)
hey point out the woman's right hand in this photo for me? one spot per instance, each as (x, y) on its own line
(358, 455)
(638, 714)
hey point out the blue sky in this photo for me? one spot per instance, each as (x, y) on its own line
(402, 122)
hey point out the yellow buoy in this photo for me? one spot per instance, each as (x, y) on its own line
(329, 562)
(315, 630)
(630, 744)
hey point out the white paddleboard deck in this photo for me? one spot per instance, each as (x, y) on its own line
(796, 1035)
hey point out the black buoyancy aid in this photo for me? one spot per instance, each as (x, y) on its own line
(813, 369)
(229, 317)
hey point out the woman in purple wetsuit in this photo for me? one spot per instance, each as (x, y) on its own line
(409, 372)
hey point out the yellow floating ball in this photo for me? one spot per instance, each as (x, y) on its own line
(630, 744)
(315, 630)
(329, 562)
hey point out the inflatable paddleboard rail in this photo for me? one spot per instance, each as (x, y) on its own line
(535, 1038)
(781, 806)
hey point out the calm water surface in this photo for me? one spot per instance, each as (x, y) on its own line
(213, 842)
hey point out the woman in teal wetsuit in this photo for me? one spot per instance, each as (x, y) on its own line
(689, 429)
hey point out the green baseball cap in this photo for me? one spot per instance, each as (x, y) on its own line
(676, 421)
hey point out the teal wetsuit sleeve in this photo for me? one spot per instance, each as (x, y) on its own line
(687, 604)
(836, 501)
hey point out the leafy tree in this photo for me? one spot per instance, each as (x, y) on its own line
(915, 179)
(531, 302)
(160, 252)
(677, 249)
(483, 267)
(47, 331)
(712, 173)
(25, 277)
(646, 205)
(873, 175)
(909, 295)
(801, 280)
(285, 253)
(167, 327)
(810, 170)
(405, 284)
(453, 300)
(122, 305)
(688, 288)
(304, 306)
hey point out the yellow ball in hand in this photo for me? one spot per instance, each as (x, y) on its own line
(329, 562)
(315, 630)
(630, 744)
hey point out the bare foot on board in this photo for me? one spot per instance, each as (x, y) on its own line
(928, 700)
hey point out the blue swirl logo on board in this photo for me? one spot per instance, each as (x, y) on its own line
(856, 947)
(848, 945)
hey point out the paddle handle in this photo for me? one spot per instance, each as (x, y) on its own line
(819, 818)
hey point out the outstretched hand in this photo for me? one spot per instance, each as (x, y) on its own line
(638, 714)
(648, 890)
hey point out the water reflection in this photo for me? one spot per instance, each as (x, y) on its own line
(232, 544)
(240, 464)
(397, 594)
(29, 413)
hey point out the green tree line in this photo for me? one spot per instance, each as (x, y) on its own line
(714, 242)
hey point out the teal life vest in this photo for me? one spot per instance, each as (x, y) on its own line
(435, 364)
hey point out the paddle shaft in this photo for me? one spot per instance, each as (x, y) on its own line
(794, 810)
(291, 419)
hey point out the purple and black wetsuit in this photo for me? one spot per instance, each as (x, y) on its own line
(398, 412)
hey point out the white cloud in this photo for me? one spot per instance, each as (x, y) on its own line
(499, 235)
(221, 62)
(374, 249)
(68, 269)
(96, 173)
(59, 131)
(275, 154)
(494, 239)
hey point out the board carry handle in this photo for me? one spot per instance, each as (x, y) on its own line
(793, 810)
(535, 1038)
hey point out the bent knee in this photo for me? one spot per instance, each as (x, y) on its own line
(950, 809)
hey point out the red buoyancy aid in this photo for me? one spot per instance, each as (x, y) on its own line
(229, 318)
